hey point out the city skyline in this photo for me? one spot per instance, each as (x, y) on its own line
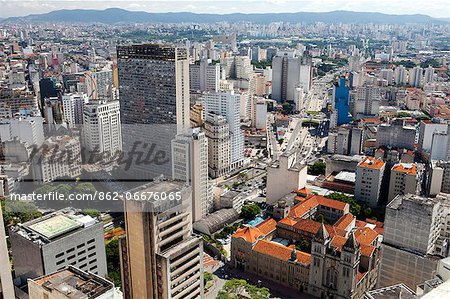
(433, 8)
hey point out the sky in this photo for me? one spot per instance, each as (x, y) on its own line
(434, 8)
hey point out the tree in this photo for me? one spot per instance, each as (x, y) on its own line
(207, 276)
(355, 207)
(250, 211)
(317, 168)
(91, 212)
(113, 262)
(235, 288)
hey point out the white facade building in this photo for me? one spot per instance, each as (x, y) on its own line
(369, 175)
(26, 129)
(204, 76)
(73, 104)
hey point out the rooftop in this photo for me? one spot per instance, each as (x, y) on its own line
(74, 283)
(281, 252)
(370, 162)
(392, 292)
(405, 168)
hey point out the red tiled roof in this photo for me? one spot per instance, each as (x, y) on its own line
(267, 226)
(288, 221)
(250, 234)
(280, 251)
(367, 250)
(365, 235)
(405, 168)
(370, 162)
(313, 201)
(345, 221)
(338, 242)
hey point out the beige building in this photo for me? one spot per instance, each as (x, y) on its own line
(219, 145)
(196, 115)
(369, 175)
(404, 179)
(160, 256)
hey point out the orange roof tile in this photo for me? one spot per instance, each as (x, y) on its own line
(405, 168)
(250, 234)
(267, 226)
(365, 235)
(308, 225)
(280, 251)
(338, 242)
(345, 221)
(331, 203)
(288, 221)
(360, 275)
(360, 223)
(367, 250)
(371, 162)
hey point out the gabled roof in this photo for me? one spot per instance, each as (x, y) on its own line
(267, 226)
(366, 235)
(280, 251)
(250, 234)
(345, 221)
(338, 242)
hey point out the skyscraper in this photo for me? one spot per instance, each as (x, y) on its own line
(341, 97)
(73, 104)
(160, 256)
(154, 102)
(218, 132)
(415, 76)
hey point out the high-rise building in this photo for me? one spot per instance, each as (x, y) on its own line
(190, 164)
(366, 100)
(160, 256)
(426, 131)
(338, 141)
(412, 240)
(396, 135)
(57, 240)
(6, 283)
(440, 145)
(356, 141)
(415, 76)
(204, 76)
(404, 180)
(217, 131)
(236, 67)
(154, 102)
(369, 176)
(227, 104)
(400, 75)
(73, 104)
(289, 72)
(388, 75)
(341, 98)
(26, 129)
(439, 178)
(429, 75)
(99, 84)
(102, 127)
(71, 282)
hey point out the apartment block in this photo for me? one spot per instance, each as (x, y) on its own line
(405, 179)
(369, 175)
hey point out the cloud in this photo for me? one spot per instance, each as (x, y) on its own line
(435, 8)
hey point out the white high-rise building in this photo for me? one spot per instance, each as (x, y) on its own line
(190, 164)
(415, 76)
(440, 145)
(366, 100)
(404, 180)
(429, 75)
(388, 75)
(227, 104)
(289, 72)
(236, 67)
(400, 75)
(369, 174)
(102, 127)
(73, 104)
(26, 129)
(204, 76)
(219, 150)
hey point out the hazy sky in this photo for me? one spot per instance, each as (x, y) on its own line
(434, 8)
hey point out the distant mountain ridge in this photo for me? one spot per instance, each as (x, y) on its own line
(117, 15)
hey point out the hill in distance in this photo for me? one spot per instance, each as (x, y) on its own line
(117, 15)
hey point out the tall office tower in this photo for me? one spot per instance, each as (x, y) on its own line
(154, 102)
(271, 53)
(289, 72)
(426, 130)
(415, 76)
(395, 135)
(57, 240)
(399, 46)
(341, 98)
(413, 240)
(102, 128)
(6, 283)
(259, 113)
(99, 84)
(73, 104)
(366, 100)
(256, 51)
(236, 67)
(356, 141)
(227, 104)
(338, 141)
(355, 63)
(25, 129)
(219, 149)
(388, 75)
(429, 75)
(369, 175)
(204, 76)
(160, 257)
(400, 75)
(190, 164)
(71, 282)
(404, 180)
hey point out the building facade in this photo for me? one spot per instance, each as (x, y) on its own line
(369, 176)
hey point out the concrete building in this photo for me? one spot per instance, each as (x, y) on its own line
(439, 177)
(101, 131)
(217, 131)
(99, 84)
(369, 175)
(6, 282)
(356, 141)
(338, 141)
(412, 242)
(71, 282)
(190, 164)
(160, 256)
(405, 179)
(440, 145)
(27, 129)
(73, 104)
(426, 132)
(429, 75)
(227, 104)
(366, 100)
(204, 76)
(154, 101)
(236, 67)
(415, 76)
(400, 75)
(59, 156)
(284, 176)
(259, 113)
(341, 98)
(57, 240)
(387, 75)
(289, 72)
(396, 135)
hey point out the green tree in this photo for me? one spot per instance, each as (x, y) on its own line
(355, 206)
(91, 212)
(250, 211)
(113, 262)
(207, 276)
(317, 168)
